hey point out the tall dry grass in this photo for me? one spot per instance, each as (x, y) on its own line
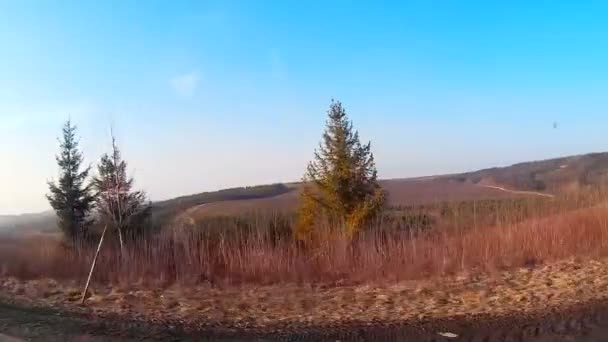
(534, 233)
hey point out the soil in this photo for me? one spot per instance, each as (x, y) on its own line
(565, 301)
(587, 323)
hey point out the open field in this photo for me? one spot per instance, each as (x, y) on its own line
(544, 178)
(400, 192)
(257, 253)
(449, 254)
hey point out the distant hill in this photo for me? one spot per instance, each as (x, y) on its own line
(166, 210)
(545, 177)
(401, 192)
(550, 176)
(28, 223)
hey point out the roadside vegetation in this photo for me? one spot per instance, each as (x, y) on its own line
(343, 232)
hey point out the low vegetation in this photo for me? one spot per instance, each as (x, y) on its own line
(262, 250)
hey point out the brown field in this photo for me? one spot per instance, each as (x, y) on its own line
(488, 252)
(552, 176)
(264, 256)
(464, 280)
(402, 192)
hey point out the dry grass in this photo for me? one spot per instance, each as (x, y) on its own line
(190, 256)
(526, 292)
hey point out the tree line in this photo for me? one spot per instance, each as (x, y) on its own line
(340, 188)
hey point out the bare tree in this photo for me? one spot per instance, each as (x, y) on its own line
(119, 206)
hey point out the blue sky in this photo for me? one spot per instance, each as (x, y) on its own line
(204, 95)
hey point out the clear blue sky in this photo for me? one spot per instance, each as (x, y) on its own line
(205, 95)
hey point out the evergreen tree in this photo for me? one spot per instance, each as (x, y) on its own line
(70, 197)
(119, 206)
(341, 181)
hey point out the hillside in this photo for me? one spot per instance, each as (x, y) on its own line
(401, 192)
(27, 223)
(545, 177)
(165, 210)
(550, 176)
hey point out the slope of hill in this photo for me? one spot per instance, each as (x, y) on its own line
(544, 177)
(401, 192)
(537, 178)
(27, 223)
(551, 175)
(166, 210)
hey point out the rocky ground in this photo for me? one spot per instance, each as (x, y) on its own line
(564, 301)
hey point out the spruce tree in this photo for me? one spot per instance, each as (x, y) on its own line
(70, 197)
(120, 207)
(341, 181)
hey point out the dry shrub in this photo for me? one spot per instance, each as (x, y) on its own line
(262, 256)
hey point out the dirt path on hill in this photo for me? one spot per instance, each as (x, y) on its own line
(518, 192)
(587, 323)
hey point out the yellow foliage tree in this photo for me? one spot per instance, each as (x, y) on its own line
(340, 184)
(307, 212)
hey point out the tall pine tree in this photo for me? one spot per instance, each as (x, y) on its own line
(119, 206)
(70, 197)
(341, 181)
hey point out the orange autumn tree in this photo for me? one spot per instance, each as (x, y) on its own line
(340, 183)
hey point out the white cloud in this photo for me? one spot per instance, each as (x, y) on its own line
(186, 84)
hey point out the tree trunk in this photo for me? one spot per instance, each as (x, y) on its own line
(86, 287)
(121, 241)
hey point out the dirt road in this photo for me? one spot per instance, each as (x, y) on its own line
(519, 192)
(585, 324)
(7, 338)
(45, 325)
